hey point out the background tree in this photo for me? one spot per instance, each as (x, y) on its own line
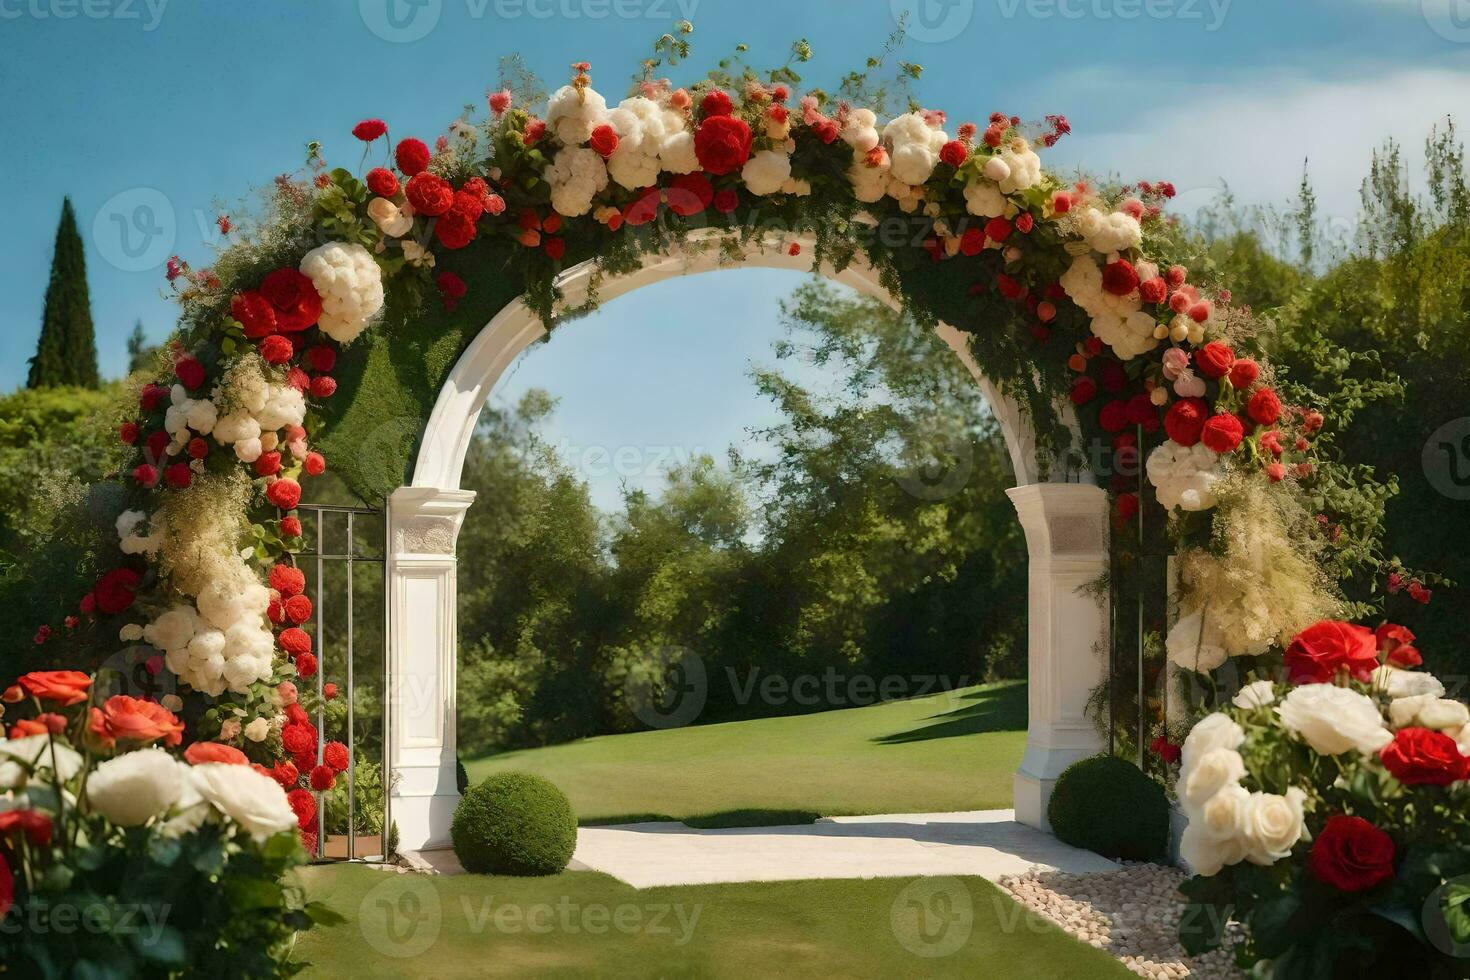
(141, 354)
(66, 353)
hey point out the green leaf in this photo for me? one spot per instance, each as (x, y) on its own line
(163, 945)
(1271, 923)
(164, 850)
(253, 893)
(211, 858)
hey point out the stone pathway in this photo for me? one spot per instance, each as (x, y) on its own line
(987, 843)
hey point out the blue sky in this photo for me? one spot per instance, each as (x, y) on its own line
(152, 113)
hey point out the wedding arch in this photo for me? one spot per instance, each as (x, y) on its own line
(361, 322)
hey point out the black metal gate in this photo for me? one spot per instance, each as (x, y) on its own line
(344, 562)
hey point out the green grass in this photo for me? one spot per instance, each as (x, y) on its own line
(581, 924)
(951, 751)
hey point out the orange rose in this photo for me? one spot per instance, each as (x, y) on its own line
(67, 687)
(130, 719)
(202, 752)
(39, 725)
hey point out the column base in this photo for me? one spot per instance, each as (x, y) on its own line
(1031, 796)
(423, 821)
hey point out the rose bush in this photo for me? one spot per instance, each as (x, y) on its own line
(1329, 815)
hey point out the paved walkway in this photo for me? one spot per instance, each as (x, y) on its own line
(987, 843)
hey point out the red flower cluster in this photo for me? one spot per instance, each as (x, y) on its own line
(1320, 651)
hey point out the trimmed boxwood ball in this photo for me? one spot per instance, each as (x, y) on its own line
(1107, 805)
(514, 823)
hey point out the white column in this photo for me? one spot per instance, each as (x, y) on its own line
(424, 524)
(1066, 527)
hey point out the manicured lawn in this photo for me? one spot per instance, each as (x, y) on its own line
(581, 924)
(953, 751)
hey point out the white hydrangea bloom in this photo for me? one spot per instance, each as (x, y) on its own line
(572, 116)
(640, 125)
(677, 154)
(185, 414)
(914, 147)
(1118, 321)
(766, 172)
(860, 131)
(1106, 233)
(576, 175)
(1185, 477)
(350, 284)
(285, 406)
(984, 199)
(1023, 168)
(869, 183)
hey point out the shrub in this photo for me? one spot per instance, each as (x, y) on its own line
(514, 823)
(1106, 804)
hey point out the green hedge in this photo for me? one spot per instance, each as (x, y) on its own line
(1106, 804)
(514, 823)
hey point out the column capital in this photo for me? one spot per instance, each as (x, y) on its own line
(426, 520)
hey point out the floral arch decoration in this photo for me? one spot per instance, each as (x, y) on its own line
(319, 331)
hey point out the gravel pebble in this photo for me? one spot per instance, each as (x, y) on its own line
(1133, 914)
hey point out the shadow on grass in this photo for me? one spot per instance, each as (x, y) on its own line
(714, 821)
(1000, 709)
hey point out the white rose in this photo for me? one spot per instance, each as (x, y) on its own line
(1195, 644)
(1442, 714)
(1273, 825)
(1206, 854)
(20, 757)
(1216, 731)
(257, 730)
(130, 633)
(1256, 694)
(1398, 683)
(1334, 720)
(389, 218)
(254, 801)
(134, 788)
(1211, 772)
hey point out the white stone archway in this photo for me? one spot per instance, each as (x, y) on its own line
(1065, 526)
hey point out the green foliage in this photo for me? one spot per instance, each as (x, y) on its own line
(1106, 804)
(66, 353)
(514, 823)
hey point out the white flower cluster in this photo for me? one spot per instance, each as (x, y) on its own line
(651, 138)
(769, 172)
(1118, 321)
(1015, 168)
(572, 115)
(577, 174)
(132, 789)
(130, 540)
(392, 220)
(224, 644)
(1419, 701)
(24, 758)
(1227, 823)
(1334, 720)
(983, 198)
(185, 415)
(259, 410)
(1185, 476)
(913, 147)
(1114, 232)
(350, 284)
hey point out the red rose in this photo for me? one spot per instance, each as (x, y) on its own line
(295, 641)
(65, 687)
(382, 182)
(135, 720)
(727, 201)
(303, 804)
(1154, 290)
(1264, 407)
(129, 432)
(1142, 411)
(1276, 472)
(157, 444)
(1084, 390)
(369, 129)
(1222, 433)
(1244, 374)
(33, 823)
(1319, 651)
(604, 140)
(202, 752)
(334, 754)
(7, 887)
(645, 208)
(1114, 378)
(429, 194)
(276, 349)
(1351, 855)
(298, 609)
(1185, 420)
(454, 229)
(268, 464)
(305, 665)
(115, 590)
(689, 194)
(296, 302)
(412, 156)
(197, 448)
(1120, 278)
(1421, 757)
(1126, 507)
(152, 396)
(1024, 222)
(1397, 643)
(954, 153)
(722, 144)
(315, 464)
(972, 242)
(146, 476)
(323, 778)
(322, 358)
(290, 527)
(285, 774)
(255, 314)
(1166, 750)
(178, 475)
(298, 737)
(284, 494)
(1215, 359)
(716, 103)
(1114, 416)
(998, 229)
(288, 581)
(189, 372)
(1009, 288)
(556, 248)
(1199, 312)
(323, 386)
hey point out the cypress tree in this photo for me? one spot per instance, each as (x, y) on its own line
(66, 354)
